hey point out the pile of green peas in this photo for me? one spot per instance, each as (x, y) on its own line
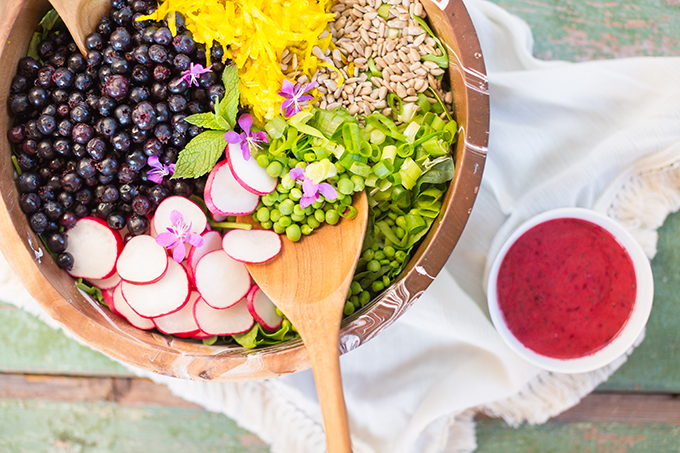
(280, 210)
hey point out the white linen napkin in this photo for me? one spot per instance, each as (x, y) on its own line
(562, 134)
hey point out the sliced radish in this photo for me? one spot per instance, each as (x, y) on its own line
(142, 260)
(225, 196)
(251, 246)
(226, 321)
(221, 280)
(192, 215)
(212, 240)
(107, 296)
(163, 297)
(123, 309)
(94, 247)
(201, 335)
(263, 309)
(181, 322)
(248, 173)
(106, 283)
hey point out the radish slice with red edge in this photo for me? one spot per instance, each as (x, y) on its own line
(225, 196)
(106, 283)
(107, 297)
(227, 321)
(192, 215)
(142, 260)
(212, 240)
(123, 309)
(181, 322)
(163, 297)
(221, 280)
(263, 309)
(95, 248)
(248, 173)
(251, 246)
(201, 335)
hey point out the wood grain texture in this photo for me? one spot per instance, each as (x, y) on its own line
(579, 30)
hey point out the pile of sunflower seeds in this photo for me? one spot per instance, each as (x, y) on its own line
(395, 45)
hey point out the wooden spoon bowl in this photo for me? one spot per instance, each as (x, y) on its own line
(96, 326)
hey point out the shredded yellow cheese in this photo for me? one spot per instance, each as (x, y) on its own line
(255, 34)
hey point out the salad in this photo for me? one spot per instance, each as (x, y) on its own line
(135, 161)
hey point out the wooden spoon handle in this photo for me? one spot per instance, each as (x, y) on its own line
(325, 359)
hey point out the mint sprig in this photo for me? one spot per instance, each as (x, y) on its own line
(201, 154)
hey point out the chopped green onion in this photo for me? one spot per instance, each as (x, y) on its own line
(276, 127)
(395, 103)
(384, 10)
(442, 60)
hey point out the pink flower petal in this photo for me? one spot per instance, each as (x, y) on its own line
(167, 240)
(195, 239)
(328, 191)
(309, 189)
(307, 201)
(246, 122)
(176, 217)
(287, 88)
(179, 252)
(233, 137)
(296, 173)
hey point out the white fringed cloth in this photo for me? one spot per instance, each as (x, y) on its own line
(603, 135)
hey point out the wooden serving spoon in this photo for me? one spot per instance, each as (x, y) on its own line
(309, 280)
(81, 17)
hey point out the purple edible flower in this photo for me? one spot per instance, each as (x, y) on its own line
(294, 94)
(177, 235)
(158, 170)
(311, 191)
(195, 70)
(249, 141)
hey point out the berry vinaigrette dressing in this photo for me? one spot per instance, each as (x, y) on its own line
(566, 288)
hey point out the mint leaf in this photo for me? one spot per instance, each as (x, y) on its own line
(49, 20)
(228, 106)
(208, 121)
(200, 155)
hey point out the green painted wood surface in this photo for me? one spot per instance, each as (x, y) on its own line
(28, 345)
(578, 30)
(654, 366)
(37, 427)
(494, 437)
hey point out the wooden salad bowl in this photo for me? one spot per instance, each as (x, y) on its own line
(98, 327)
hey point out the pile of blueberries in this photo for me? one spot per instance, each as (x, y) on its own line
(85, 125)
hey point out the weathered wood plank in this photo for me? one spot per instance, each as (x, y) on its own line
(105, 427)
(578, 30)
(494, 436)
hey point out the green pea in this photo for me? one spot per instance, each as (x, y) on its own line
(267, 225)
(274, 215)
(346, 200)
(345, 186)
(268, 201)
(319, 215)
(364, 297)
(368, 254)
(389, 221)
(359, 183)
(349, 308)
(295, 194)
(297, 217)
(395, 264)
(281, 189)
(274, 169)
(278, 228)
(375, 246)
(286, 207)
(389, 251)
(355, 301)
(377, 286)
(262, 160)
(287, 182)
(399, 232)
(262, 215)
(384, 262)
(373, 266)
(386, 280)
(309, 210)
(312, 222)
(401, 221)
(297, 209)
(306, 230)
(293, 232)
(332, 217)
(400, 256)
(355, 288)
(318, 204)
(285, 221)
(380, 255)
(282, 196)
